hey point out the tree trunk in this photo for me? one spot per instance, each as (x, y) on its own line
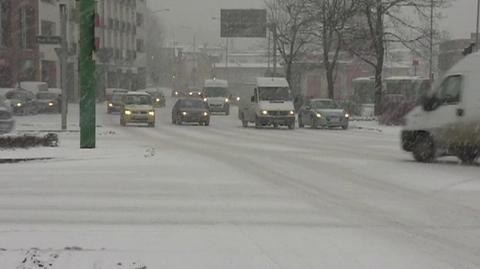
(331, 82)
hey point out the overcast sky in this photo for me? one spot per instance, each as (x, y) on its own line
(189, 17)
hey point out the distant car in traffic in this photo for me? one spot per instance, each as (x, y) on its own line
(115, 103)
(137, 107)
(158, 97)
(189, 110)
(49, 102)
(7, 122)
(110, 91)
(23, 102)
(322, 113)
(194, 93)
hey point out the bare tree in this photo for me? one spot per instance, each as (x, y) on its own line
(289, 22)
(379, 22)
(330, 21)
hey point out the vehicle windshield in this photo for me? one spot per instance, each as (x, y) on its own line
(137, 99)
(117, 97)
(47, 96)
(216, 92)
(323, 104)
(274, 94)
(195, 104)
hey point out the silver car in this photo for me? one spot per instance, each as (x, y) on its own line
(322, 113)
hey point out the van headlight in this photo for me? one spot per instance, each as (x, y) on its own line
(227, 100)
(19, 104)
(110, 105)
(184, 113)
(238, 99)
(319, 115)
(158, 99)
(292, 112)
(151, 113)
(205, 114)
(264, 112)
(176, 93)
(128, 112)
(347, 115)
(205, 99)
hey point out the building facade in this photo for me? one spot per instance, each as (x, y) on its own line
(19, 52)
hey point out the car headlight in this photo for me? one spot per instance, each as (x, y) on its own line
(110, 105)
(264, 112)
(205, 99)
(190, 93)
(50, 104)
(238, 99)
(151, 113)
(184, 113)
(158, 99)
(347, 115)
(19, 104)
(176, 93)
(199, 93)
(128, 112)
(227, 100)
(292, 112)
(205, 114)
(319, 115)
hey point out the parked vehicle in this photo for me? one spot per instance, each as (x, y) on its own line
(448, 121)
(157, 95)
(115, 103)
(217, 96)
(7, 122)
(188, 110)
(271, 104)
(34, 86)
(49, 102)
(23, 102)
(322, 113)
(137, 108)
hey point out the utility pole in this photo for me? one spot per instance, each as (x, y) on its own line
(226, 59)
(478, 27)
(194, 61)
(431, 39)
(87, 75)
(274, 49)
(63, 64)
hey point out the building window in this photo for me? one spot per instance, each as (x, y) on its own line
(4, 23)
(140, 45)
(48, 28)
(139, 19)
(27, 30)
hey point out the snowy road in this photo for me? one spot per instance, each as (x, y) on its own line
(228, 197)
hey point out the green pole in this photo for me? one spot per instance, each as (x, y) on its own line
(87, 74)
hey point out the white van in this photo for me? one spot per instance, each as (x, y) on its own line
(217, 95)
(271, 104)
(448, 122)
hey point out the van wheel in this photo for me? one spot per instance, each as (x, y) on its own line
(424, 149)
(468, 156)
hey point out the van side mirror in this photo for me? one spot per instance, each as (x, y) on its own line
(430, 103)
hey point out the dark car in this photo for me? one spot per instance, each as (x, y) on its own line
(116, 103)
(191, 110)
(322, 113)
(23, 102)
(48, 102)
(158, 97)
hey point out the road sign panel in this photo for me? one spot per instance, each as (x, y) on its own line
(249, 23)
(49, 40)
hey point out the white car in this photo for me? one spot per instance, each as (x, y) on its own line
(448, 122)
(217, 95)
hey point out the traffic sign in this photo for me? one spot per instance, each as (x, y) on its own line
(49, 40)
(243, 23)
